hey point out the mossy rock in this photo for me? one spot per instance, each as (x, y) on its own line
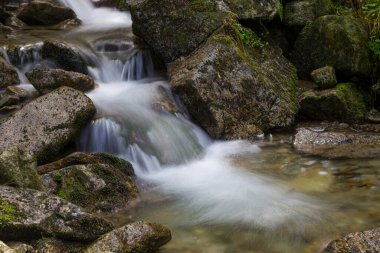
(236, 85)
(254, 9)
(344, 103)
(18, 168)
(337, 41)
(27, 214)
(299, 13)
(97, 187)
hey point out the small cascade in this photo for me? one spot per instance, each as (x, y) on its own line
(97, 19)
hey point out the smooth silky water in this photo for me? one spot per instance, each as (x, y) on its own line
(215, 196)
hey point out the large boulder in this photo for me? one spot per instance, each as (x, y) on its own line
(18, 167)
(64, 55)
(174, 28)
(97, 187)
(27, 214)
(47, 124)
(46, 80)
(345, 103)
(298, 13)
(338, 41)
(336, 143)
(137, 237)
(44, 13)
(234, 87)
(358, 242)
(8, 74)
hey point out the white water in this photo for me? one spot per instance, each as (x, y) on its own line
(170, 152)
(97, 19)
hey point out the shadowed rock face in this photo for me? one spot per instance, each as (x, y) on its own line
(8, 74)
(44, 13)
(28, 214)
(358, 242)
(47, 124)
(137, 237)
(338, 41)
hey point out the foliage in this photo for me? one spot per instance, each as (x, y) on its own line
(121, 5)
(247, 36)
(7, 213)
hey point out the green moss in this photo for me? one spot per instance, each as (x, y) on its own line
(7, 213)
(356, 107)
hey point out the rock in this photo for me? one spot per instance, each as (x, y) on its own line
(299, 13)
(44, 13)
(96, 187)
(9, 109)
(325, 77)
(236, 89)
(334, 143)
(18, 167)
(46, 80)
(175, 28)
(345, 103)
(254, 9)
(47, 124)
(65, 56)
(19, 92)
(337, 41)
(376, 87)
(27, 214)
(6, 99)
(374, 116)
(79, 158)
(137, 237)
(8, 74)
(18, 248)
(53, 245)
(358, 242)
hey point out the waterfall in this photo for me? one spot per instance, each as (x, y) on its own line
(136, 121)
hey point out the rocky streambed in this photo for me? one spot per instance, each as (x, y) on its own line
(98, 147)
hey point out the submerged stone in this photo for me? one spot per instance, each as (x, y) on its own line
(358, 242)
(47, 124)
(137, 237)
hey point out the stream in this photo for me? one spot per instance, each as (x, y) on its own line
(215, 196)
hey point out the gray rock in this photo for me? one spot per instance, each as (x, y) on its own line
(44, 13)
(138, 237)
(325, 77)
(54, 245)
(8, 74)
(175, 28)
(337, 41)
(233, 90)
(374, 116)
(64, 55)
(46, 80)
(97, 187)
(358, 242)
(47, 124)
(18, 167)
(336, 143)
(27, 214)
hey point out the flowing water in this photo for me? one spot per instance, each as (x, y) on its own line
(215, 196)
